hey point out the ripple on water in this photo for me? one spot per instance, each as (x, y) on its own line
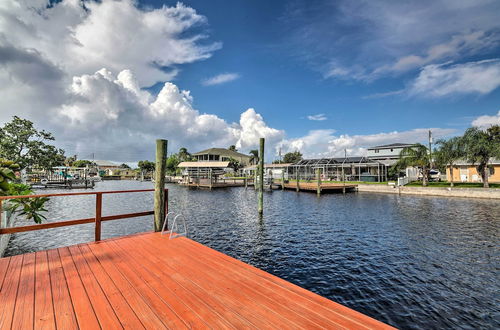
(413, 262)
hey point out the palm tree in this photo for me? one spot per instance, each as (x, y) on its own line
(418, 156)
(449, 152)
(480, 147)
(183, 154)
(254, 153)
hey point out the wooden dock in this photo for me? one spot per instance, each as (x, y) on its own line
(148, 281)
(325, 186)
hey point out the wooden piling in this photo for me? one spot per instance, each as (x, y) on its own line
(159, 197)
(261, 177)
(282, 179)
(318, 189)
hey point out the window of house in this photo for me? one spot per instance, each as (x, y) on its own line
(392, 150)
(376, 151)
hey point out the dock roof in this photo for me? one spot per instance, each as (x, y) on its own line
(221, 151)
(204, 164)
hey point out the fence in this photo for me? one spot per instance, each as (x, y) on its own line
(97, 219)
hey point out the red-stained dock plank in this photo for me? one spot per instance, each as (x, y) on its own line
(148, 281)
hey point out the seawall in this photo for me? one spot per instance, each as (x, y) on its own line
(491, 193)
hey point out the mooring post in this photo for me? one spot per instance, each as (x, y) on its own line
(318, 188)
(261, 176)
(246, 182)
(160, 167)
(282, 179)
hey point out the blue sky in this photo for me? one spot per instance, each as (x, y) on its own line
(109, 77)
(281, 78)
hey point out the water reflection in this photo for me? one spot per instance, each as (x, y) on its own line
(413, 262)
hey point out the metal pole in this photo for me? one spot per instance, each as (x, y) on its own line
(297, 177)
(261, 176)
(318, 188)
(159, 195)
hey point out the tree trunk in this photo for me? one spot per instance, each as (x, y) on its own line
(484, 174)
(451, 176)
(424, 176)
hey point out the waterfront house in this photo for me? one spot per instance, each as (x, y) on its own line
(464, 171)
(388, 155)
(221, 155)
(387, 151)
(106, 167)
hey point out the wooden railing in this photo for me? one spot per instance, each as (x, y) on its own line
(98, 212)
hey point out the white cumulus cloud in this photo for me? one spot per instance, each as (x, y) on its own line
(220, 79)
(486, 121)
(82, 37)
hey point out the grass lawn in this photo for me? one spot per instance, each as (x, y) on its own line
(457, 184)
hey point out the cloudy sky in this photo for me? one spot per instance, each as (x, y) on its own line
(110, 77)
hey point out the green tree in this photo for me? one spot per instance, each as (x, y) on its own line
(232, 148)
(235, 164)
(183, 155)
(448, 153)
(172, 163)
(480, 147)
(124, 166)
(146, 166)
(292, 157)
(7, 168)
(82, 163)
(69, 161)
(22, 143)
(418, 156)
(254, 154)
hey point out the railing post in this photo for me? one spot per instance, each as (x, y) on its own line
(98, 215)
(160, 167)
(166, 207)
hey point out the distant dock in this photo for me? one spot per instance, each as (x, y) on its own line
(324, 186)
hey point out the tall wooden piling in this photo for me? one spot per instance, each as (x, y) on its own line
(261, 176)
(160, 167)
(318, 188)
(282, 179)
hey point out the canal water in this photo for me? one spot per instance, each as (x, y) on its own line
(412, 262)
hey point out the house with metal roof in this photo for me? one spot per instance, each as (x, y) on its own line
(221, 155)
(387, 152)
